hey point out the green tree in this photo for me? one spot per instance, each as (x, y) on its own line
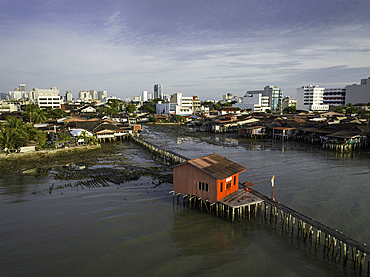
(55, 113)
(40, 137)
(115, 104)
(30, 111)
(40, 116)
(7, 139)
(130, 108)
(148, 108)
(178, 118)
(217, 107)
(290, 109)
(339, 109)
(153, 119)
(85, 136)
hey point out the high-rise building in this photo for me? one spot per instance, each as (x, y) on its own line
(158, 91)
(144, 96)
(84, 95)
(102, 94)
(69, 96)
(275, 96)
(94, 94)
(311, 98)
(22, 87)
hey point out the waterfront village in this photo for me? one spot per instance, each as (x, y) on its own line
(336, 118)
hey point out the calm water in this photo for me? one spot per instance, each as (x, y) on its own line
(133, 229)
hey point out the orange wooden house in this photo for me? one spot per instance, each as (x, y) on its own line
(210, 178)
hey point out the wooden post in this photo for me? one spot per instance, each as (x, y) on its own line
(217, 209)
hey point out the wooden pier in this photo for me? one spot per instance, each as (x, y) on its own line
(238, 205)
(167, 156)
(244, 203)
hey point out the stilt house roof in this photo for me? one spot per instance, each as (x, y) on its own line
(217, 166)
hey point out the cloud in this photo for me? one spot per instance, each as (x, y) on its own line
(201, 47)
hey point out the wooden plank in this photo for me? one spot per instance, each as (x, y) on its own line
(235, 200)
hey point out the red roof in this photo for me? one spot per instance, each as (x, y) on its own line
(217, 166)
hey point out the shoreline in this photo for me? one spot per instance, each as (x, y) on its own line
(15, 161)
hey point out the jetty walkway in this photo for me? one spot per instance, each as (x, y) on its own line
(244, 204)
(168, 156)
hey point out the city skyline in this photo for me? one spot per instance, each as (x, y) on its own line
(204, 48)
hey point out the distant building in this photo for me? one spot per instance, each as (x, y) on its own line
(137, 98)
(84, 95)
(49, 98)
(150, 96)
(275, 97)
(144, 96)
(94, 94)
(227, 97)
(358, 93)
(179, 105)
(158, 91)
(196, 104)
(289, 102)
(335, 96)
(22, 87)
(21, 93)
(255, 102)
(311, 98)
(102, 94)
(69, 96)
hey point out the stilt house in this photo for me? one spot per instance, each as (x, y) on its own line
(210, 178)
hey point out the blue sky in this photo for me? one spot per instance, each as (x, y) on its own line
(198, 47)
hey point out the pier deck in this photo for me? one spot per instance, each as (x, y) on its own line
(240, 199)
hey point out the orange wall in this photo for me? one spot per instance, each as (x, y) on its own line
(225, 192)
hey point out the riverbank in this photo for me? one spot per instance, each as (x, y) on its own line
(16, 161)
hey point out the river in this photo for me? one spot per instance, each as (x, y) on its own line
(133, 228)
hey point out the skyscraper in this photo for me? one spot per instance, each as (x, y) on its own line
(144, 96)
(158, 91)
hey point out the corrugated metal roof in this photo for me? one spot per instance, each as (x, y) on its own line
(217, 166)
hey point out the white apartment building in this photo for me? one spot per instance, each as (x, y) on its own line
(255, 102)
(144, 96)
(48, 98)
(289, 102)
(311, 98)
(356, 94)
(178, 104)
(69, 96)
(84, 95)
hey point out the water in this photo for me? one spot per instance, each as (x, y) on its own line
(133, 229)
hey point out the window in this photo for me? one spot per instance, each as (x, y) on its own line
(222, 186)
(202, 186)
(228, 185)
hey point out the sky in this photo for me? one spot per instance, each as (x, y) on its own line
(206, 48)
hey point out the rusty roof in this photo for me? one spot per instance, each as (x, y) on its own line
(217, 166)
